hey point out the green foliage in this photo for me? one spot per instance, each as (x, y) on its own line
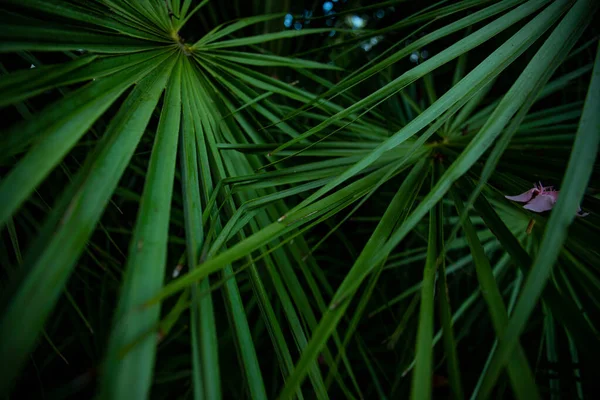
(198, 202)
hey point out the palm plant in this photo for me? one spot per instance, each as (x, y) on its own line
(211, 205)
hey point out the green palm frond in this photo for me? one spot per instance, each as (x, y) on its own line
(347, 206)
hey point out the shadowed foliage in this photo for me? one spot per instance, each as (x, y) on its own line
(203, 199)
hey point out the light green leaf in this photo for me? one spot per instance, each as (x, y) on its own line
(50, 261)
(585, 151)
(145, 269)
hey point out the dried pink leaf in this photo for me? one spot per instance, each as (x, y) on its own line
(524, 197)
(540, 204)
(540, 199)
